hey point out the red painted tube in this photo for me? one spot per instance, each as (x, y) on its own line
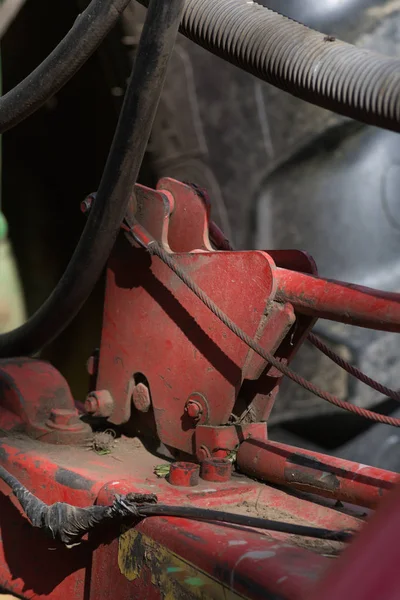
(369, 567)
(184, 474)
(315, 473)
(338, 301)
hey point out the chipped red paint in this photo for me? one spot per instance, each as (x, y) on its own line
(369, 568)
(193, 355)
(339, 301)
(216, 469)
(36, 398)
(316, 473)
(91, 571)
(184, 474)
(169, 371)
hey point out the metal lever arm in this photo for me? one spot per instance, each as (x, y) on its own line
(338, 301)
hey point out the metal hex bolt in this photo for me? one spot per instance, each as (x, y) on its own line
(141, 397)
(99, 403)
(193, 408)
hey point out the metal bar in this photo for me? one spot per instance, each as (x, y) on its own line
(164, 557)
(315, 473)
(339, 301)
(369, 568)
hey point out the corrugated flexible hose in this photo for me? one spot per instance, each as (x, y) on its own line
(318, 68)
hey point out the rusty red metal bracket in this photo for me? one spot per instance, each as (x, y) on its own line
(198, 373)
(169, 372)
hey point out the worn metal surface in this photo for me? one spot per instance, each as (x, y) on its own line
(193, 376)
(119, 563)
(216, 469)
(278, 171)
(339, 301)
(197, 372)
(36, 399)
(184, 474)
(316, 473)
(369, 568)
(237, 386)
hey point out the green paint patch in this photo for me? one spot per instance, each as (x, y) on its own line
(174, 569)
(195, 581)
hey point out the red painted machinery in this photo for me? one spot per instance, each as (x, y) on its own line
(163, 483)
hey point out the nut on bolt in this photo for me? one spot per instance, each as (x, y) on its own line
(193, 408)
(64, 419)
(99, 403)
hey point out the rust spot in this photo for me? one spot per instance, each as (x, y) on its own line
(305, 470)
(191, 536)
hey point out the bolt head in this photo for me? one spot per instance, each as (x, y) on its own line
(193, 409)
(99, 403)
(64, 419)
(141, 397)
(91, 404)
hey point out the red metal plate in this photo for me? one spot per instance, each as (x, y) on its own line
(239, 562)
(183, 347)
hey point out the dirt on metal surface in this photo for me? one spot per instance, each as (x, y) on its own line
(326, 548)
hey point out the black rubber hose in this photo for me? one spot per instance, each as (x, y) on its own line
(69, 523)
(317, 68)
(206, 514)
(67, 58)
(310, 65)
(120, 174)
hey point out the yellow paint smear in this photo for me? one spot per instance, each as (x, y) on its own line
(175, 577)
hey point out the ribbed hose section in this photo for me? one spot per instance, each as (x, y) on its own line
(320, 69)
